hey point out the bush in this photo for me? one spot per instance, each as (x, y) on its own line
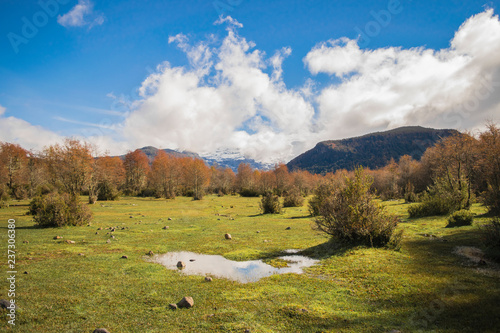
(293, 198)
(57, 210)
(321, 193)
(250, 193)
(350, 215)
(270, 203)
(460, 218)
(491, 238)
(441, 199)
(4, 197)
(491, 199)
(107, 191)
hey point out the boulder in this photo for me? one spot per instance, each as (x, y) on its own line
(172, 306)
(181, 264)
(186, 302)
(100, 330)
(227, 236)
(124, 257)
(288, 228)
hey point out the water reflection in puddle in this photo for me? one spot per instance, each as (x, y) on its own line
(241, 271)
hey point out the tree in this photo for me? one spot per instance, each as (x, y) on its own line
(13, 168)
(245, 181)
(197, 177)
(136, 166)
(222, 180)
(69, 165)
(110, 176)
(164, 174)
(282, 178)
(489, 166)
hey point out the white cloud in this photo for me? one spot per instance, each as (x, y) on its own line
(384, 88)
(81, 15)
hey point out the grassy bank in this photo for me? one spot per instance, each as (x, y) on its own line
(79, 287)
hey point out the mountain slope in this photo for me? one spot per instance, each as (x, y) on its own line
(373, 150)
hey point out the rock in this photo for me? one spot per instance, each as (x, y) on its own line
(208, 279)
(57, 237)
(99, 228)
(166, 227)
(186, 302)
(123, 228)
(170, 219)
(25, 272)
(181, 264)
(97, 233)
(150, 253)
(100, 330)
(258, 232)
(81, 254)
(4, 304)
(247, 331)
(227, 236)
(192, 260)
(108, 241)
(124, 257)
(131, 217)
(172, 306)
(288, 228)
(26, 242)
(70, 242)
(112, 236)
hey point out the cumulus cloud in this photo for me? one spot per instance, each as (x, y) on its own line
(81, 15)
(455, 87)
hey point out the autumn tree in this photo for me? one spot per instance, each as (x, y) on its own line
(245, 181)
(222, 180)
(13, 169)
(489, 165)
(196, 177)
(164, 175)
(282, 178)
(136, 166)
(111, 177)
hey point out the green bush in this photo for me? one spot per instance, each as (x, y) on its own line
(293, 198)
(350, 214)
(321, 193)
(491, 237)
(249, 193)
(270, 203)
(57, 210)
(107, 191)
(442, 198)
(460, 218)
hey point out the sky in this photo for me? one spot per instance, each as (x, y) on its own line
(267, 79)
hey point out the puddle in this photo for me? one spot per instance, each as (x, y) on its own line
(241, 271)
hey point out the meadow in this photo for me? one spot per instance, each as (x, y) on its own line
(65, 287)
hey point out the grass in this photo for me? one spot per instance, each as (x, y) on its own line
(424, 286)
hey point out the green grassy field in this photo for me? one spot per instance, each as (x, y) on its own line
(422, 287)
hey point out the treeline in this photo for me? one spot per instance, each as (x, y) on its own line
(458, 170)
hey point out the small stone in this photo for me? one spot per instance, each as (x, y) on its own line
(131, 217)
(100, 330)
(170, 219)
(81, 254)
(208, 279)
(124, 257)
(100, 228)
(57, 237)
(288, 228)
(25, 272)
(181, 264)
(172, 306)
(258, 232)
(166, 227)
(112, 236)
(218, 219)
(227, 236)
(192, 260)
(70, 242)
(108, 241)
(232, 206)
(97, 233)
(5, 304)
(186, 302)
(26, 242)
(304, 310)
(123, 228)
(150, 253)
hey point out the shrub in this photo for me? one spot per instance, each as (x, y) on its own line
(107, 191)
(491, 199)
(321, 193)
(247, 192)
(350, 214)
(460, 218)
(293, 198)
(4, 197)
(270, 203)
(441, 199)
(57, 210)
(491, 237)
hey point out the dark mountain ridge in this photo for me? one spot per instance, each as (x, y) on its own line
(372, 150)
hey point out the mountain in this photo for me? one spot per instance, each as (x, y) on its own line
(372, 150)
(223, 158)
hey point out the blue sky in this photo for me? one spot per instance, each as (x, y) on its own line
(270, 80)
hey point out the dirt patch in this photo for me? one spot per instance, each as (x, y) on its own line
(476, 258)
